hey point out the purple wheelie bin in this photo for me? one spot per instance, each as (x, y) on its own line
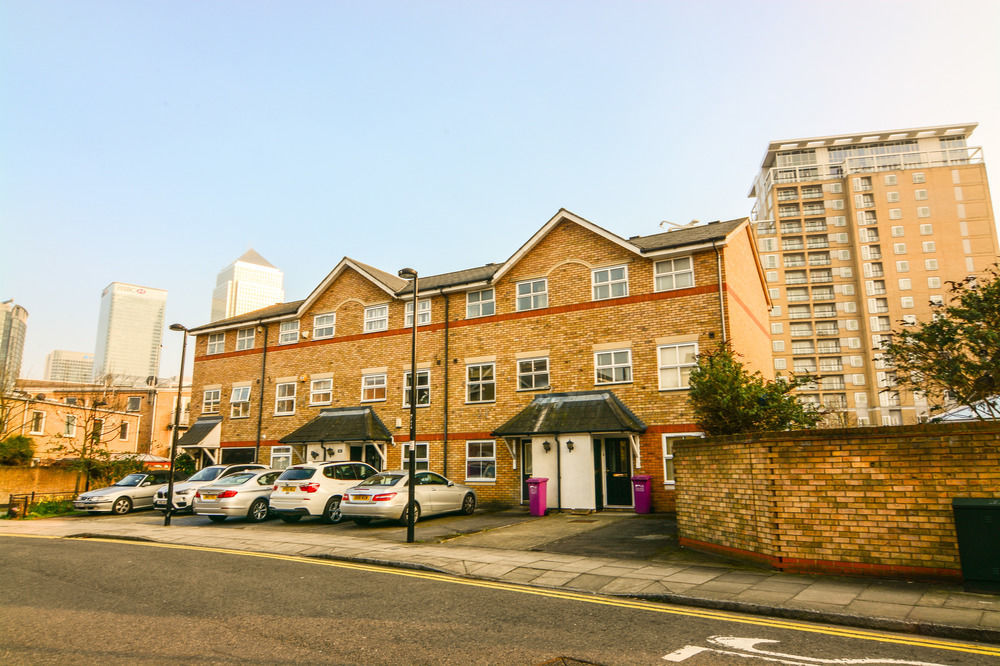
(536, 495)
(643, 493)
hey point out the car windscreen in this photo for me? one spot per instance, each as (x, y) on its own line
(297, 474)
(131, 480)
(382, 480)
(207, 474)
(235, 479)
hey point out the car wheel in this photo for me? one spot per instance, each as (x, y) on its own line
(332, 514)
(258, 511)
(416, 514)
(217, 519)
(469, 504)
(362, 521)
(121, 506)
(293, 518)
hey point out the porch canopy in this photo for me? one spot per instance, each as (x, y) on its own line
(203, 436)
(341, 424)
(576, 412)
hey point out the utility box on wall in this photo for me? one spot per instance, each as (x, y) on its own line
(977, 526)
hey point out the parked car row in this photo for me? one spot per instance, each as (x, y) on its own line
(331, 491)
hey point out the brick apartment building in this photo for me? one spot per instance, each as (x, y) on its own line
(153, 407)
(567, 361)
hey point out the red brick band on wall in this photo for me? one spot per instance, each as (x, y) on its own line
(852, 501)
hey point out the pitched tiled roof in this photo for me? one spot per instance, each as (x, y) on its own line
(704, 233)
(342, 424)
(394, 282)
(580, 411)
(467, 276)
(276, 310)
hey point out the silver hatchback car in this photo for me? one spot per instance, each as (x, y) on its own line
(385, 495)
(243, 494)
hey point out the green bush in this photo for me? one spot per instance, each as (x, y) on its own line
(51, 508)
(17, 450)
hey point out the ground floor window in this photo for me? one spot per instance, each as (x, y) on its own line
(236, 456)
(421, 456)
(668, 453)
(281, 457)
(480, 461)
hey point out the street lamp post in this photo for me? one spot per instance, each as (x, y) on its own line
(177, 423)
(410, 274)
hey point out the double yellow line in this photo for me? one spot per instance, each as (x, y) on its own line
(633, 604)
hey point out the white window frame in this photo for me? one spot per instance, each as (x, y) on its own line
(284, 403)
(919, 177)
(243, 341)
(422, 461)
(240, 395)
(370, 385)
(533, 373)
(604, 283)
(532, 298)
(216, 343)
(123, 431)
(611, 363)
(476, 307)
(210, 405)
(324, 326)
(423, 313)
(933, 282)
(288, 332)
(667, 440)
(667, 268)
(279, 455)
(377, 318)
(490, 460)
(133, 400)
(318, 391)
(679, 368)
(423, 388)
(928, 247)
(41, 428)
(480, 383)
(69, 426)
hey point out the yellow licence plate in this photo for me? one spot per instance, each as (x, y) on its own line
(289, 489)
(360, 498)
(210, 497)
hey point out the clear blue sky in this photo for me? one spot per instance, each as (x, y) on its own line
(154, 142)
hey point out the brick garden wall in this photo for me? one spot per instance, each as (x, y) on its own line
(857, 501)
(35, 479)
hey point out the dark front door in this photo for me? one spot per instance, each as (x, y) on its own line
(366, 453)
(525, 468)
(617, 471)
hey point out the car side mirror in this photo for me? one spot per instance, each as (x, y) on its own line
(451, 483)
(147, 483)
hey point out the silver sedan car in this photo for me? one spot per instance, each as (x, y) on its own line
(385, 495)
(240, 495)
(135, 491)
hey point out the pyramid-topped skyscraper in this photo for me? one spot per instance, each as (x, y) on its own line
(249, 283)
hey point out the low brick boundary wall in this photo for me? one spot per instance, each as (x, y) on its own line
(857, 501)
(17, 480)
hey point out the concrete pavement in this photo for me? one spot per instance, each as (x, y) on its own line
(618, 554)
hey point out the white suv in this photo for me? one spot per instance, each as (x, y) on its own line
(315, 489)
(184, 491)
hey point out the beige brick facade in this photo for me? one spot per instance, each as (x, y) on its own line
(568, 332)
